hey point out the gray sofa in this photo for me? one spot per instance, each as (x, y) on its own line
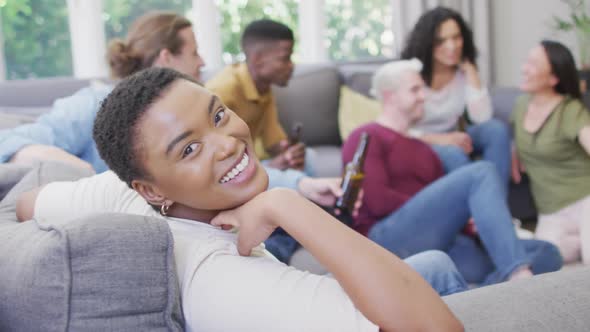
(113, 272)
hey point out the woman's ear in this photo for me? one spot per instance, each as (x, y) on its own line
(149, 192)
(163, 58)
(553, 80)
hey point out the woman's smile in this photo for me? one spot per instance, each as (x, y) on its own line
(241, 172)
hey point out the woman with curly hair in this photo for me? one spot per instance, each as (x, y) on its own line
(443, 42)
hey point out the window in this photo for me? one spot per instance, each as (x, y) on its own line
(36, 38)
(119, 14)
(236, 14)
(358, 29)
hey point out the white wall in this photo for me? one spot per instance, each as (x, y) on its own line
(518, 25)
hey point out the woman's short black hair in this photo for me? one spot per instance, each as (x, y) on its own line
(563, 66)
(422, 39)
(115, 127)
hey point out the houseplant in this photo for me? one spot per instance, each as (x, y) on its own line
(578, 21)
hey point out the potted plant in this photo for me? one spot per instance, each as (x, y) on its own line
(578, 21)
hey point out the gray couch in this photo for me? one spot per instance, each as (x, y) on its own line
(113, 272)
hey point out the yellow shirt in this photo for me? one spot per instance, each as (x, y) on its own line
(236, 89)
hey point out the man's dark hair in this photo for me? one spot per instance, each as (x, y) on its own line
(263, 31)
(115, 125)
(422, 39)
(563, 66)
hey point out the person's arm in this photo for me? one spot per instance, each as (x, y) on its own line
(272, 132)
(29, 154)
(379, 197)
(68, 200)
(67, 127)
(383, 288)
(477, 98)
(462, 140)
(25, 204)
(517, 167)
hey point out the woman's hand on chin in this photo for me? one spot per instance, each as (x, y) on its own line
(257, 218)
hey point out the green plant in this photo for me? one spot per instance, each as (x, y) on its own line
(579, 22)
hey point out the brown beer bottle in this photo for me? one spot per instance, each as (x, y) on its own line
(353, 177)
(295, 135)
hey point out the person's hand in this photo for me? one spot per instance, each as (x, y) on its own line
(255, 219)
(325, 192)
(517, 168)
(290, 156)
(30, 154)
(459, 139)
(471, 73)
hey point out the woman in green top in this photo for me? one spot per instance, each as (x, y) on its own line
(552, 138)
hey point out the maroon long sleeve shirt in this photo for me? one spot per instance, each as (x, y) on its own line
(396, 168)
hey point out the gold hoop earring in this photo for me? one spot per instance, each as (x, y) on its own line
(164, 209)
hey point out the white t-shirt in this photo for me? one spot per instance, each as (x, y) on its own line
(220, 290)
(443, 108)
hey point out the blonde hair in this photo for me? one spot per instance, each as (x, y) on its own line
(388, 76)
(148, 35)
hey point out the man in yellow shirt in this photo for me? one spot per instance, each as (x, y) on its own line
(246, 89)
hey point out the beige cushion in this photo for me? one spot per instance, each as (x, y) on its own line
(355, 110)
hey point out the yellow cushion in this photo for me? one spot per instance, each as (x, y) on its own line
(355, 110)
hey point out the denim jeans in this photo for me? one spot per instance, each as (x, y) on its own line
(434, 217)
(475, 264)
(491, 140)
(281, 245)
(439, 271)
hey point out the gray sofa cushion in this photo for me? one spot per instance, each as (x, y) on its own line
(19, 92)
(312, 98)
(328, 161)
(107, 272)
(15, 116)
(10, 175)
(551, 302)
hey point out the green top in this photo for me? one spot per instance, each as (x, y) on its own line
(557, 165)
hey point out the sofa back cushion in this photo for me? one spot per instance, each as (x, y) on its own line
(107, 272)
(38, 92)
(312, 99)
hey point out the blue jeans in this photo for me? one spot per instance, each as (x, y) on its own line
(434, 217)
(311, 157)
(491, 140)
(439, 271)
(475, 264)
(281, 244)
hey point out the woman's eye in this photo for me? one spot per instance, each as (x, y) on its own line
(189, 149)
(219, 116)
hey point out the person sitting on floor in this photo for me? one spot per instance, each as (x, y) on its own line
(552, 139)
(410, 205)
(443, 42)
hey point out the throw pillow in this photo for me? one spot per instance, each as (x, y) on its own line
(355, 110)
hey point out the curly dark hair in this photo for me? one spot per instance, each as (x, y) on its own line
(421, 42)
(563, 66)
(115, 130)
(265, 30)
